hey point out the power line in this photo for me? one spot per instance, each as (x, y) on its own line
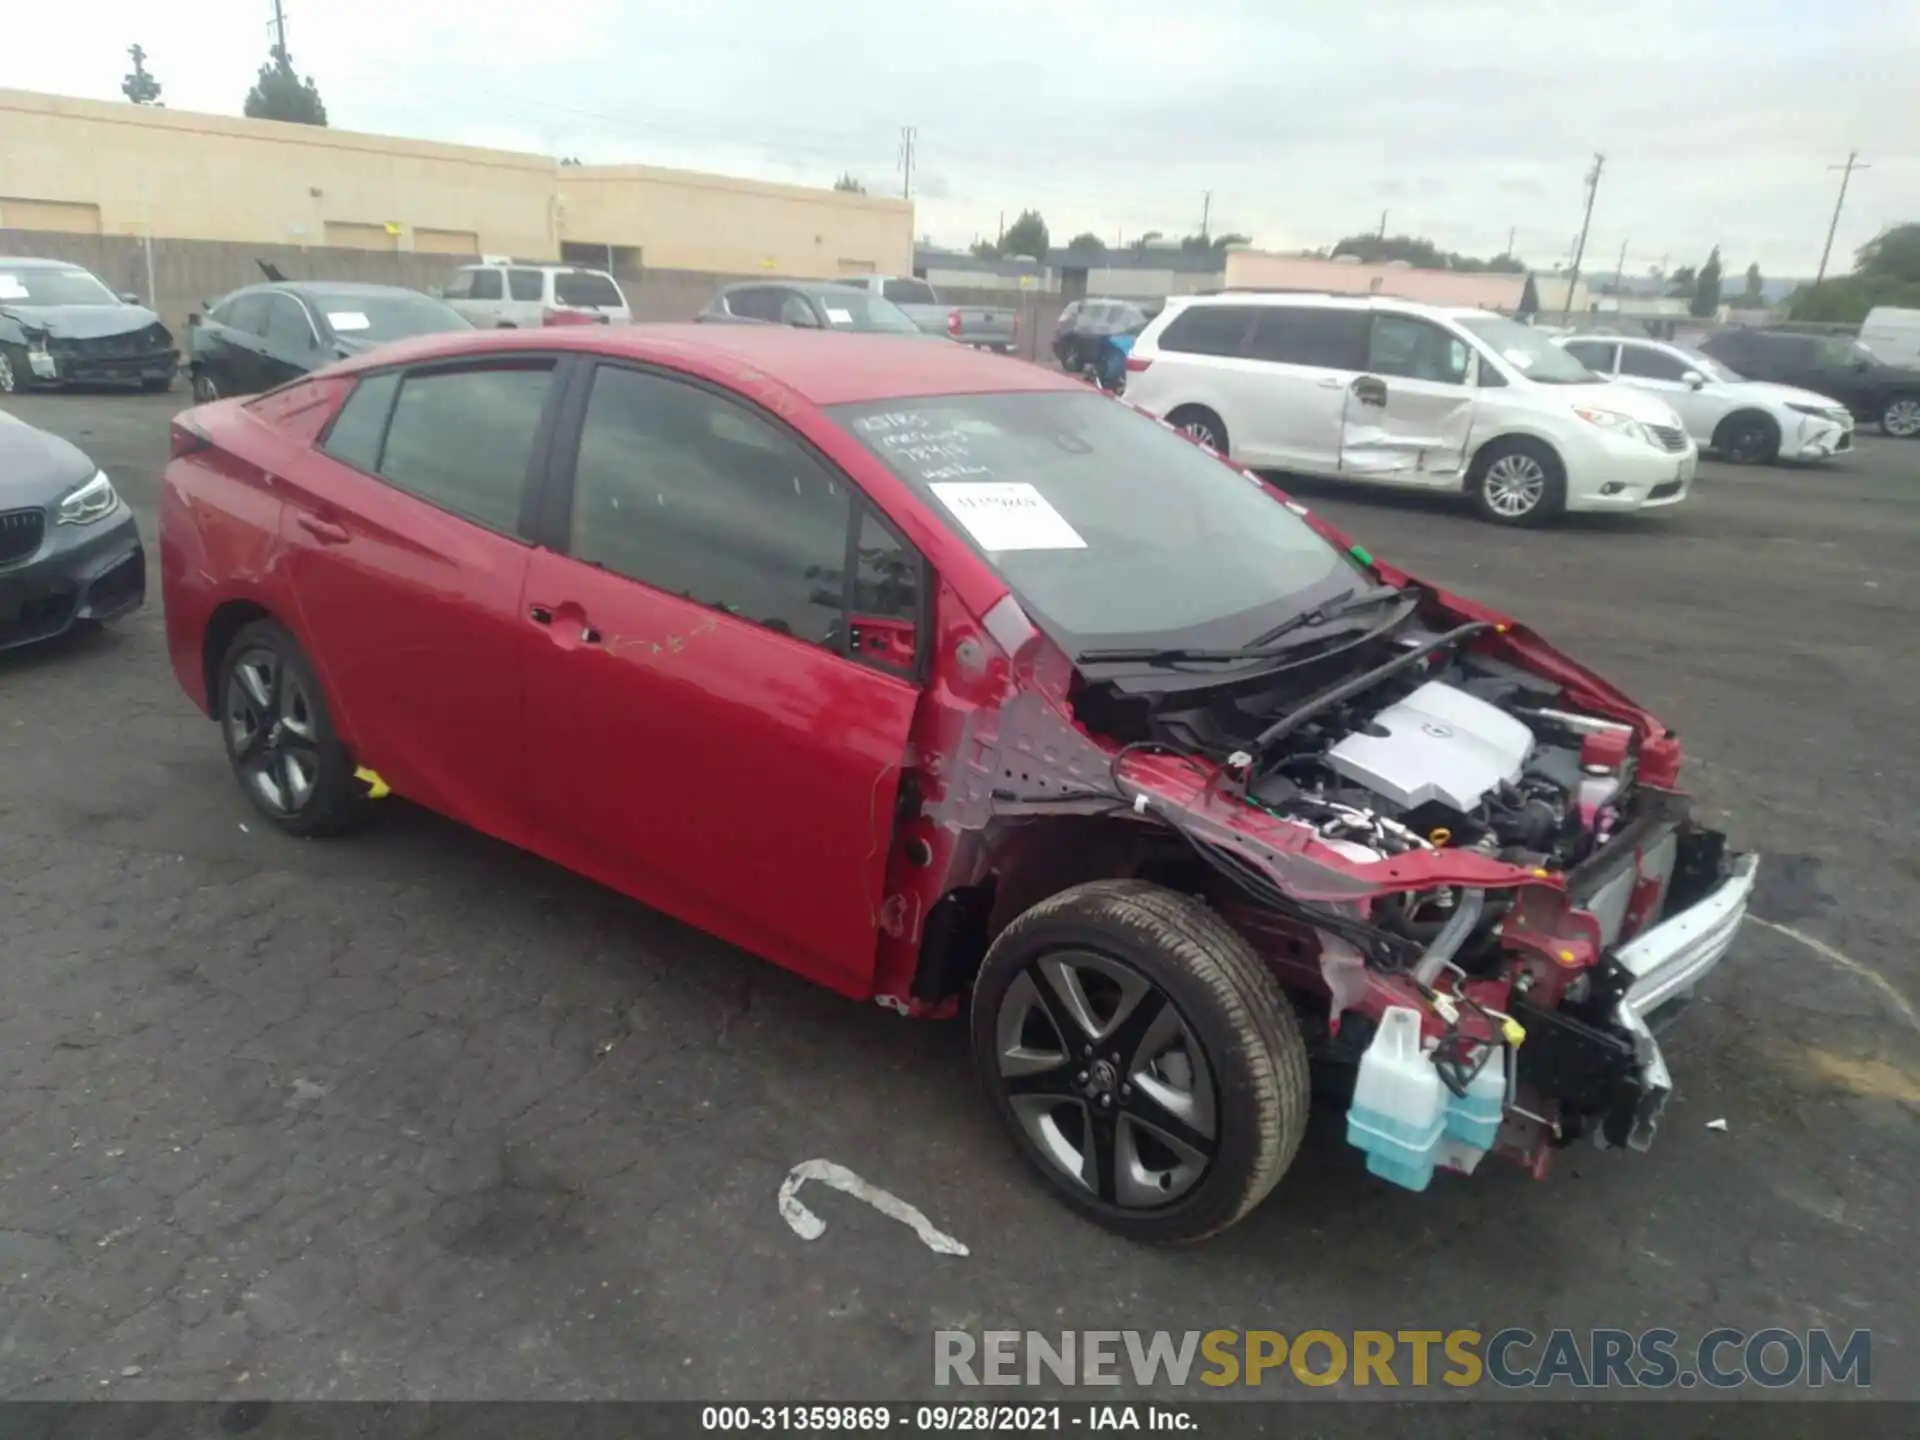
(1846, 175)
(1580, 245)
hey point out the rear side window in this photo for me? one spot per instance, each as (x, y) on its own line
(586, 287)
(1304, 335)
(1208, 330)
(1596, 355)
(909, 292)
(248, 314)
(288, 328)
(486, 285)
(462, 439)
(362, 422)
(524, 285)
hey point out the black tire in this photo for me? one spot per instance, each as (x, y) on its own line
(1506, 470)
(280, 699)
(14, 374)
(1900, 417)
(1201, 983)
(205, 388)
(1747, 437)
(1203, 425)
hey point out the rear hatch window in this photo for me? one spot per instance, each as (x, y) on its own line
(588, 290)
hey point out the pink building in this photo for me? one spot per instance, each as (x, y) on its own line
(1264, 270)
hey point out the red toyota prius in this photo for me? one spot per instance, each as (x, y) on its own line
(945, 680)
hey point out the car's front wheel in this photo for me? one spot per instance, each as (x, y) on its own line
(1202, 424)
(1900, 417)
(1142, 1058)
(206, 389)
(280, 736)
(1747, 438)
(1517, 482)
(10, 380)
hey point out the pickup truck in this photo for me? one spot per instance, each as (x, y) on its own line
(982, 326)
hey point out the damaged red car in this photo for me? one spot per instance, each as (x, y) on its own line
(956, 687)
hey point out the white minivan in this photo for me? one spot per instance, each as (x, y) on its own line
(1392, 392)
(500, 294)
(1893, 335)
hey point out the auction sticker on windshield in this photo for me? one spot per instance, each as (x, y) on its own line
(348, 320)
(11, 289)
(1007, 515)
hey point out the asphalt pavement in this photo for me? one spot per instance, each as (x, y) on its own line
(414, 1114)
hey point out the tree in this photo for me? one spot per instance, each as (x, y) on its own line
(140, 87)
(984, 250)
(847, 185)
(1026, 236)
(279, 94)
(1144, 239)
(1422, 254)
(1756, 293)
(1886, 272)
(1680, 283)
(1706, 287)
(570, 160)
(1892, 255)
(1087, 241)
(1221, 242)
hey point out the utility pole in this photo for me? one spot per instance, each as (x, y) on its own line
(280, 37)
(1512, 230)
(906, 160)
(1383, 225)
(1620, 269)
(1580, 245)
(1206, 213)
(1845, 175)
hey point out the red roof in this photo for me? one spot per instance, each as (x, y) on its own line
(819, 367)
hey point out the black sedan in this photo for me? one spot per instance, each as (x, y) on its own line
(60, 324)
(266, 335)
(70, 552)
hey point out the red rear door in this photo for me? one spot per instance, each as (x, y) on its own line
(700, 736)
(407, 566)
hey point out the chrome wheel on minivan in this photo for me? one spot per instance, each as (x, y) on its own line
(1517, 482)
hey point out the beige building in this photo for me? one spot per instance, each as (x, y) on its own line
(88, 167)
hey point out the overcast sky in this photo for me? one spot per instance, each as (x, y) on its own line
(1304, 118)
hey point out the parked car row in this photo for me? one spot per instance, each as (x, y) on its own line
(59, 323)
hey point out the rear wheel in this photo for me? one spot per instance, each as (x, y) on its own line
(1517, 482)
(1901, 417)
(1747, 438)
(1202, 424)
(1142, 1058)
(9, 376)
(280, 737)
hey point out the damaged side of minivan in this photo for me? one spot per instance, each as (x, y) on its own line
(1397, 852)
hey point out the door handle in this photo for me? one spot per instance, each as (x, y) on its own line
(540, 615)
(568, 614)
(1370, 390)
(325, 531)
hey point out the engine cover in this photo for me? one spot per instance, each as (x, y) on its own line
(1440, 744)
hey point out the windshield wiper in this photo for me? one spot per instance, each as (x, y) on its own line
(1263, 647)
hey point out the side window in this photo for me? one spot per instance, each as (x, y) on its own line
(909, 292)
(1643, 362)
(669, 492)
(486, 284)
(362, 423)
(460, 287)
(1789, 349)
(1837, 354)
(1304, 335)
(248, 314)
(1208, 330)
(757, 304)
(288, 329)
(461, 439)
(1415, 349)
(524, 285)
(794, 310)
(1596, 355)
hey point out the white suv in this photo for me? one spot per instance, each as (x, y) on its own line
(1397, 393)
(498, 294)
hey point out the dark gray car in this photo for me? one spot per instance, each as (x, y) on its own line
(807, 305)
(59, 323)
(70, 552)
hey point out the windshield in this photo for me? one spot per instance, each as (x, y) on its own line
(372, 318)
(1708, 366)
(1111, 529)
(849, 309)
(1528, 350)
(43, 285)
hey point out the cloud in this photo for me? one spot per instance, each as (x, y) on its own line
(1304, 120)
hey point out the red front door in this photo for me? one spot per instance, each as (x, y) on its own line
(697, 734)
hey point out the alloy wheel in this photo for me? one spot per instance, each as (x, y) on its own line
(271, 730)
(7, 380)
(1747, 444)
(1902, 419)
(1107, 1079)
(204, 389)
(1203, 432)
(1514, 485)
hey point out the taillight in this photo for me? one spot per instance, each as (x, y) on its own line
(570, 317)
(1137, 363)
(185, 439)
(953, 322)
